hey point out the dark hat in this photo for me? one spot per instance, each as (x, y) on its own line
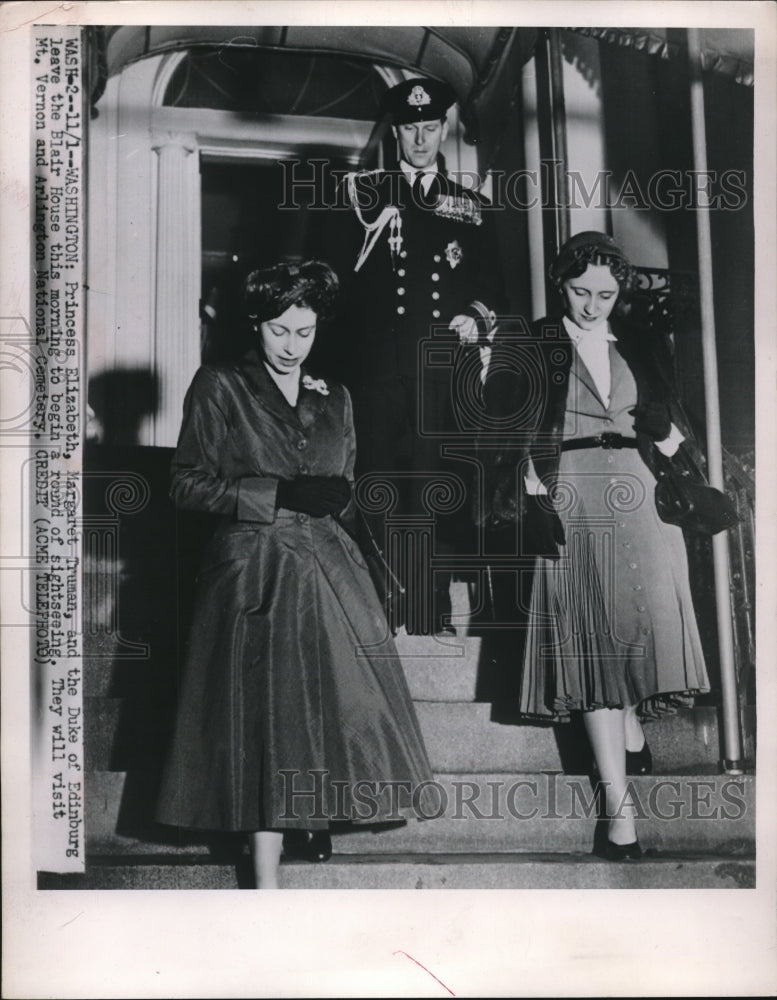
(417, 100)
(585, 248)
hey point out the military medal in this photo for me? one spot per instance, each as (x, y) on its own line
(454, 253)
(459, 209)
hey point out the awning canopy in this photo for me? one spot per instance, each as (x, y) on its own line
(481, 64)
(729, 51)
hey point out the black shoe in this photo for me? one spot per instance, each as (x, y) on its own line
(307, 845)
(639, 761)
(623, 852)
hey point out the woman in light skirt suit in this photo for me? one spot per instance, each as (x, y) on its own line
(612, 631)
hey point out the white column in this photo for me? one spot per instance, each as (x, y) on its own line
(176, 344)
(732, 743)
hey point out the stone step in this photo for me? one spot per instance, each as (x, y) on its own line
(478, 871)
(125, 734)
(493, 812)
(441, 668)
(463, 737)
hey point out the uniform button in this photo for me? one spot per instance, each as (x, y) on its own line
(638, 586)
(302, 444)
(302, 518)
(645, 631)
(622, 524)
(435, 295)
(627, 545)
(400, 290)
(436, 313)
(641, 607)
(401, 272)
(403, 254)
(401, 310)
(609, 459)
(633, 565)
(437, 258)
(303, 470)
(435, 276)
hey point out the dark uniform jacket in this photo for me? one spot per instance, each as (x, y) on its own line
(444, 262)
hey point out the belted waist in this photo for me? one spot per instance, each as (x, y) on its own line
(605, 440)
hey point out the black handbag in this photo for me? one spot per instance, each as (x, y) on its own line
(387, 586)
(687, 501)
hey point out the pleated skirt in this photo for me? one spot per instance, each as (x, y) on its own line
(611, 622)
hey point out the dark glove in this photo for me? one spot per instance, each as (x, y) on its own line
(314, 495)
(541, 529)
(652, 419)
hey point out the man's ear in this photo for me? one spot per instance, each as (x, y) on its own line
(444, 132)
(394, 131)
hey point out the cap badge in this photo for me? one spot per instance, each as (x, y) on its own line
(418, 97)
(453, 253)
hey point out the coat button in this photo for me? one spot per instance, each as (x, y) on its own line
(400, 291)
(401, 310)
(302, 444)
(632, 565)
(436, 313)
(435, 276)
(641, 607)
(401, 272)
(302, 518)
(303, 470)
(638, 587)
(435, 295)
(437, 258)
(403, 254)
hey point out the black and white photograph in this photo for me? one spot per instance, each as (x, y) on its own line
(387, 428)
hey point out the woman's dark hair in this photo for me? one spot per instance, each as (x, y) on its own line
(592, 248)
(269, 292)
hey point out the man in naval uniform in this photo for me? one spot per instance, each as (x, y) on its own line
(427, 270)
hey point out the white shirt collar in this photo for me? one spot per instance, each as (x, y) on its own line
(599, 332)
(410, 172)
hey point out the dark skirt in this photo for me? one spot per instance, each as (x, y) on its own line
(293, 704)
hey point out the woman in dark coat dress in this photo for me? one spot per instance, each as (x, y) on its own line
(612, 630)
(293, 702)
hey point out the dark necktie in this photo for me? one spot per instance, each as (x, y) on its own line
(418, 191)
(426, 198)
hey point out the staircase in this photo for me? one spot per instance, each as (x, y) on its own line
(516, 807)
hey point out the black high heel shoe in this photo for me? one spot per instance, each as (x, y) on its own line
(623, 852)
(307, 845)
(639, 761)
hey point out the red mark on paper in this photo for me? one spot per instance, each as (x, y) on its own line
(421, 966)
